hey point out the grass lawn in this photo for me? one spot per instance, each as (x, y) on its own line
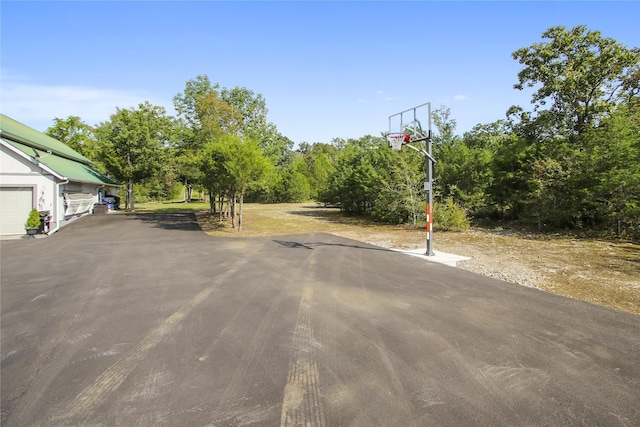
(172, 207)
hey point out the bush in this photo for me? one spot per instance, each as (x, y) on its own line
(448, 216)
(34, 219)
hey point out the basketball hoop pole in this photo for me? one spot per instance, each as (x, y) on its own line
(429, 165)
(412, 127)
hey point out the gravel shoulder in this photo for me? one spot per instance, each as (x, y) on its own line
(600, 272)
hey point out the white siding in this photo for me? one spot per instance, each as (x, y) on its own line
(18, 172)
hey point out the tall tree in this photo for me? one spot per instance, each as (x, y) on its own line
(216, 117)
(199, 96)
(291, 184)
(133, 143)
(246, 168)
(76, 134)
(580, 73)
(608, 186)
(186, 103)
(320, 159)
(253, 110)
(209, 111)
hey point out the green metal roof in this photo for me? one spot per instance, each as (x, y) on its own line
(55, 155)
(14, 130)
(63, 167)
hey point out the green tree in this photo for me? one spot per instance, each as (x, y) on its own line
(400, 196)
(216, 117)
(354, 180)
(463, 169)
(608, 187)
(215, 178)
(199, 97)
(253, 111)
(243, 167)
(320, 159)
(133, 143)
(579, 73)
(77, 135)
(292, 185)
(208, 112)
(369, 178)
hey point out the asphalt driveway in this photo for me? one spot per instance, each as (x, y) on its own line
(144, 320)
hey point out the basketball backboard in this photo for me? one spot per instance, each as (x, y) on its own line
(415, 121)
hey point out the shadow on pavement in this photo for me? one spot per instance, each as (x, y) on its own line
(169, 221)
(298, 245)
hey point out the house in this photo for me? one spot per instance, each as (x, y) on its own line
(38, 171)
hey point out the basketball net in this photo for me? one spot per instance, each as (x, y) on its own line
(396, 140)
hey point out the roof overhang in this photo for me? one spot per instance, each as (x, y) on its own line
(20, 153)
(60, 167)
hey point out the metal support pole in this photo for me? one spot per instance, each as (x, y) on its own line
(414, 128)
(429, 187)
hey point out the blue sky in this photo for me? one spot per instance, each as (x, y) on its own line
(325, 69)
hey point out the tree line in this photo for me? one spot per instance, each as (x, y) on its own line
(572, 162)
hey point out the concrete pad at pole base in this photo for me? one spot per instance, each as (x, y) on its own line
(439, 257)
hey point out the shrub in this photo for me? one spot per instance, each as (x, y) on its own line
(34, 219)
(448, 216)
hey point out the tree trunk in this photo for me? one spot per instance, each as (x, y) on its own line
(130, 206)
(240, 213)
(232, 200)
(188, 191)
(212, 202)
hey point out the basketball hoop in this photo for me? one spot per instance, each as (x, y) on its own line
(397, 139)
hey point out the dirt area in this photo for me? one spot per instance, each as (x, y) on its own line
(599, 272)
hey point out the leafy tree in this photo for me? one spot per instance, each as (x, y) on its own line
(241, 166)
(400, 197)
(512, 184)
(133, 143)
(76, 134)
(253, 110)
(186, 103)
(354, 182)
(320, 159)
(445, 125)
(369, 178)
(580, 73)
(208, 112)
(463, 169)
(608, 187)
(292, 185)
(215, 177)
(216, 117)
(199, 94)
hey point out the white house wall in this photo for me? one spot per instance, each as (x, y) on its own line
(17, 171)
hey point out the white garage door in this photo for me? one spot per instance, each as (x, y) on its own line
(15, 204)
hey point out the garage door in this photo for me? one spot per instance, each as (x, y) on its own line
(15, 204)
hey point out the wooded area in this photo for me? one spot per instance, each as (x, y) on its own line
(570, 163)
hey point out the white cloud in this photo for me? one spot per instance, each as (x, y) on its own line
(38, 104)
(460, 97)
